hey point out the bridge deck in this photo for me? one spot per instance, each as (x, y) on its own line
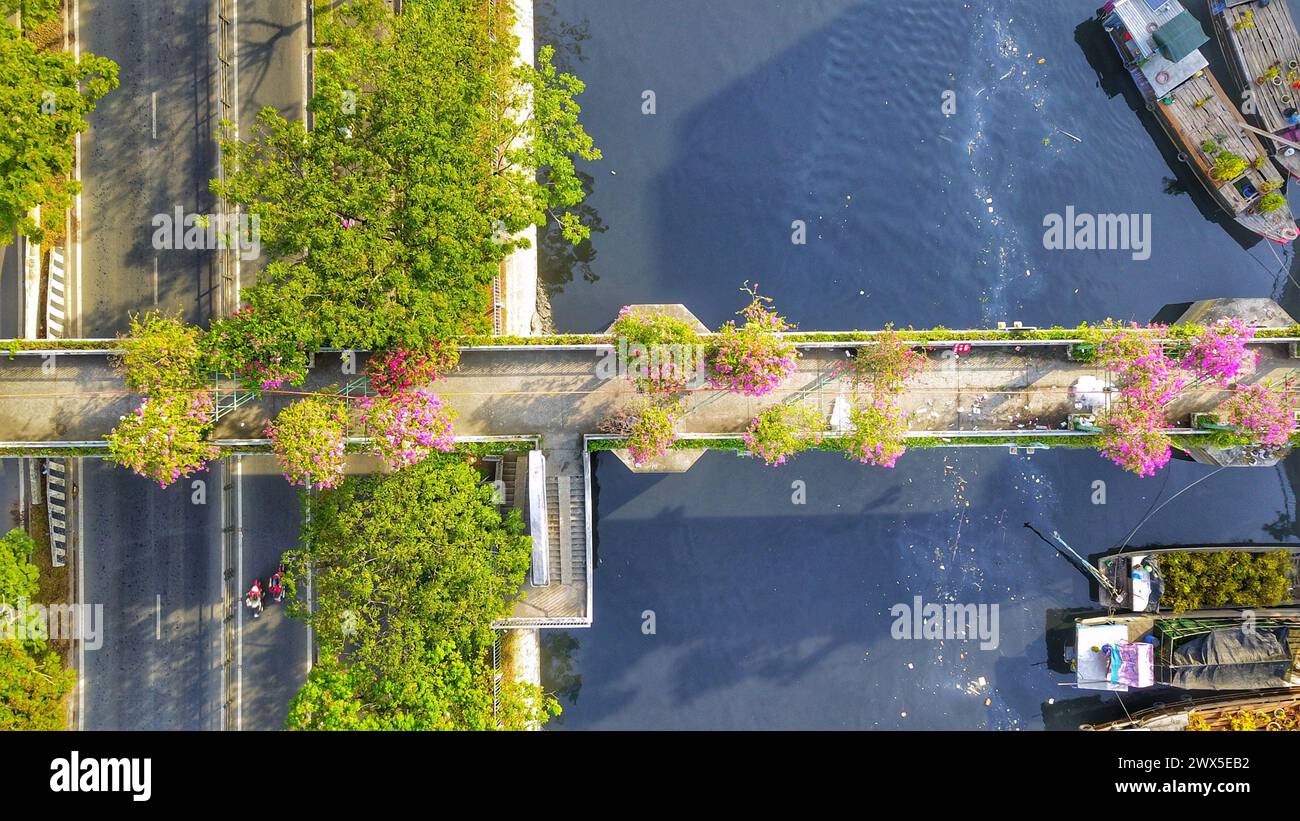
(559, 395)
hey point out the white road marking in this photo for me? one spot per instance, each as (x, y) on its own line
(157, 616)
(153, 114)
(76, 53)
(239, 602)
(81, 611)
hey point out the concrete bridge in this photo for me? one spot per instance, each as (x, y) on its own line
(1017, 386)
(549, 399)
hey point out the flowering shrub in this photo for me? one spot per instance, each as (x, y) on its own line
(1266, 414)
(1134, 430)
(408, 426)
(885, 365)
(752, 359)
(1219, 354)
(653, 327)
(165, 439)
(160, 353)
(403, 369)
(661, 350)
(1136, 440)
(263, 351)
(650, 428)
(781, 431)
(309, 439)
(878, 432)
(1145, 373)
(653, 432)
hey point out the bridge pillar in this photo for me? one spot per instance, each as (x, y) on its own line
(1239, 456)
(1258, 311)
(674, 310)
(674, 461)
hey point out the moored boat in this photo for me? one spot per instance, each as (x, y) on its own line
(1263, 50)
(1203, 650)
(1266, 710)
(1159, 42)
(1138, 577)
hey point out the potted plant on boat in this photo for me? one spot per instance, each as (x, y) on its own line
(1228, 165)
(1270, 202)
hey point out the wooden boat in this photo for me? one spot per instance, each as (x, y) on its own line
(1136, 577)
(1203, 650)
(1263, 51)
(1159, 42)
(1274, 709)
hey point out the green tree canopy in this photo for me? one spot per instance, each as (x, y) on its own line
(32, 679)
(32, 689)
(18, 576)
(44, 100)
(409, 571)
(34, 12)
(388, 220)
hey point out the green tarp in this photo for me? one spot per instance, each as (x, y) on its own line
(1180, 37)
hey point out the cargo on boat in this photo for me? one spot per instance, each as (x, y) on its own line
(1263, 51)
(1265, 710)
(1159, 42)
(1204, 650)
(1141, 580)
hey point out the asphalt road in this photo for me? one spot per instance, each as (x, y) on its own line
(272, 53)
(153, 560)
(276, 650)
(149, 150)
(11, 291)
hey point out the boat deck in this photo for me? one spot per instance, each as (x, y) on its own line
(1267, 39)
(1200, 111)
(1116, 569)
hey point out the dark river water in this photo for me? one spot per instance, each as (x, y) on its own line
(774, 615)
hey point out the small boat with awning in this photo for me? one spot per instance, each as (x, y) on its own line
(1159, 42)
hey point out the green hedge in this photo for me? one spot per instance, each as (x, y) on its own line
(919, 337)
(464, 448)
(832, 444)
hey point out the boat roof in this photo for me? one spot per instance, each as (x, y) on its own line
(1167, 39)
(1181, 36)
